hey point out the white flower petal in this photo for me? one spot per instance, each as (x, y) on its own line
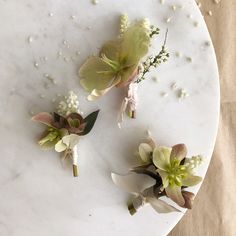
(132, 182)
(71, 140)
(144, 152)
(60, 146)
(161, 206)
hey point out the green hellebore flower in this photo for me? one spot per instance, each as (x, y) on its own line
(117, 64)
(173, 172)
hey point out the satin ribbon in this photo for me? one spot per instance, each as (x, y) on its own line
(129, 102)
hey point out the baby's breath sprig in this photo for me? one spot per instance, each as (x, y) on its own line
(124, 23)
(154, 61)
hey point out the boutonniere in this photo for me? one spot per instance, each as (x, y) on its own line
(164, 171)
(123, 63)
(65, 127)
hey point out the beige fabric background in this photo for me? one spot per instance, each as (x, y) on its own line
(214, 212)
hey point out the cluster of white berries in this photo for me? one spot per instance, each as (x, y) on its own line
(194, 162)
(146, 23)
(124, 23)
(69, 105)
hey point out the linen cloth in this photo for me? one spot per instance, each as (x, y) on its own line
(214, 209)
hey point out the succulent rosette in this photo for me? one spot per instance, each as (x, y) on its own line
(163, 171)
(65, 128)
(120, 64)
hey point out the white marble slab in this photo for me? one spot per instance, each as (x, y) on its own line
(39, 197)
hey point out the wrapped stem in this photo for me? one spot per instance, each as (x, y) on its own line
(135, 204)
(133, 99)
(73, 155)
(130, 102)
(75, 161)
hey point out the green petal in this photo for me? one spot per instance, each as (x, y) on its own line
(135, 44)
(90, 121)
(63, 132)
(145, 151)
(164, 177)
(96, 74)
(111, 50)
(178, 152)
(191, 180)
(45, 145)
(161, 157)
(174, 193)
(129, 73)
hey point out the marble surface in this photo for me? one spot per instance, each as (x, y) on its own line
(40, 197)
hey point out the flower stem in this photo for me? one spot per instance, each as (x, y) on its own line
(132, 114)
(132, 209)
(75, 171)
(75, 161)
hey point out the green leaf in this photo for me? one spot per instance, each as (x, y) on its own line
(90, 121)
(44, 118)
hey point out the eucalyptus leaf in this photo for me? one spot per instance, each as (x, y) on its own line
(90, 121)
